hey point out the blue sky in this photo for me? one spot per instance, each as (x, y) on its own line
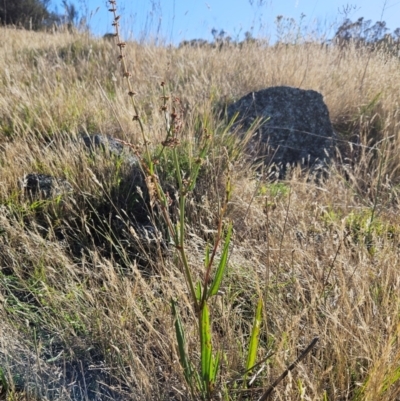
(176, 20)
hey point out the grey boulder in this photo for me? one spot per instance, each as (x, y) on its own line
(108, 143)
(45, 186)
(294, 129)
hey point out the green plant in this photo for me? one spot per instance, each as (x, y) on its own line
(3, 382)
(201, 380)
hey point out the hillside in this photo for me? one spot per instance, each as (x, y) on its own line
(85, 298)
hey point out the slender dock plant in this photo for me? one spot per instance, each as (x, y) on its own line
(201, 376)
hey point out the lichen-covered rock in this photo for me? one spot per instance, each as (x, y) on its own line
(295, 126)
(45, 186)
(107, 142)
(128, 214)
(149, 237)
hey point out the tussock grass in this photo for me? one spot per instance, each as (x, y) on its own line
(82, 317)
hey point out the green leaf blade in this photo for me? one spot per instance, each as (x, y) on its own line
(206, 347)
(222, 265)
(255, 333)
(180, 336)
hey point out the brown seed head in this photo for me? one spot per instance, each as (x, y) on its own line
(171, 142)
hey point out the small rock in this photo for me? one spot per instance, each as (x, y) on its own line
(107, 142)
(149, 236)
(45, 186)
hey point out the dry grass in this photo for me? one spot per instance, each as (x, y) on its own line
(80, 318)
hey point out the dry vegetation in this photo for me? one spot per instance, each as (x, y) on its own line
(95, 323)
